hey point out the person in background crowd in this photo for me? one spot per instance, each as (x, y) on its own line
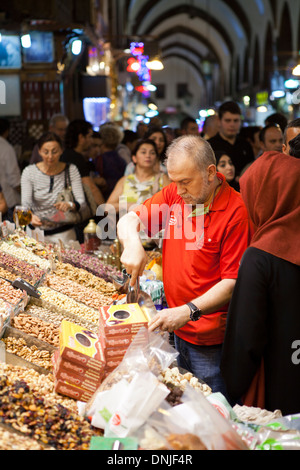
(57, 124)
(189, 126)
(260, 358)
(295, 146)
(78, 140)
(251, 135)
(226, 167)
(126, 147)
(95, 149)
(3, 205)
(145, 181)
(277, 118)
(290, 132)
(169, 133)
(159, 137)
(10, 174)
(155, 121)
(200, 264)
(41, 184)
(211, 126)
(110, 165)
(228, 139)
(94, 153)
(271, 138)
(141, 130)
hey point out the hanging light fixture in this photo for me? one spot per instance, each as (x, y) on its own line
(155, 64)
(296, 71)
(76, 46)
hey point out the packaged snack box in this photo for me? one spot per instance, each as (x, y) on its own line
(85, 379)
(81, 346)
(72, 367)
(72, 391)
(122, 320)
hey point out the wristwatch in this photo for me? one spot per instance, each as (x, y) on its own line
(195, 312)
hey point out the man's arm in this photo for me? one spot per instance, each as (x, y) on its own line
(171, 319)
(134, 257)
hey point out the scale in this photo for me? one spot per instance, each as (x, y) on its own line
(24, 285)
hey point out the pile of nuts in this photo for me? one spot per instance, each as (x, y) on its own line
(7, 274)
(10, 440)
(85, 295)
(22, 240)
(9, 293)
(90, 263)
(174, 377)
(56, 317)
(4, 311)
(26, 255)
(20, 268)
(38, 383)
(32, 415)
(82, 276)
(45, 331)
(33, 354)
(64, 302)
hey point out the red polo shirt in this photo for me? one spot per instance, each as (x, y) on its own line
(198, 251)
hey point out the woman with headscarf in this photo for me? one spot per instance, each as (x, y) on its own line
(261, 351)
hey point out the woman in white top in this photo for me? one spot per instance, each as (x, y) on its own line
(41, 184)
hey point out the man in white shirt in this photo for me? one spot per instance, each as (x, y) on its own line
(10, 174)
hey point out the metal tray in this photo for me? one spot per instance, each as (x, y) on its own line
(13, 359)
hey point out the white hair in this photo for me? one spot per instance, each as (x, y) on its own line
(193, 146)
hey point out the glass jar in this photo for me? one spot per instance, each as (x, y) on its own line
(91, 240)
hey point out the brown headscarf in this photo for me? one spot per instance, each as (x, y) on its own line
(270, 188)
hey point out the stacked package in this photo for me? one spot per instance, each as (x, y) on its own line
(118, 326)
(79, 365)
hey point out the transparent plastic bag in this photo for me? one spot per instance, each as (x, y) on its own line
(138, 401)
(192, 425)
(148, 353)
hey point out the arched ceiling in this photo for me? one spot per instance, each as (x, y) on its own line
(225, 32)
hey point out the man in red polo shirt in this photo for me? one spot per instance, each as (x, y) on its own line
(206, 233)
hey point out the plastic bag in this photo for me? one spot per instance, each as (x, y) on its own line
(193, 424)
(148, 353)
(137, 402)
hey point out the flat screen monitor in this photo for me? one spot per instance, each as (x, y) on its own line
(10, 51)
(41, 49)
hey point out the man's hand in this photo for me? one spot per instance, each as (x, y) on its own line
(134, 259)
(170, 319)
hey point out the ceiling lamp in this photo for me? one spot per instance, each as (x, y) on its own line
(155, 64)
(296, 70)
(76, 46)
(291, 84)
